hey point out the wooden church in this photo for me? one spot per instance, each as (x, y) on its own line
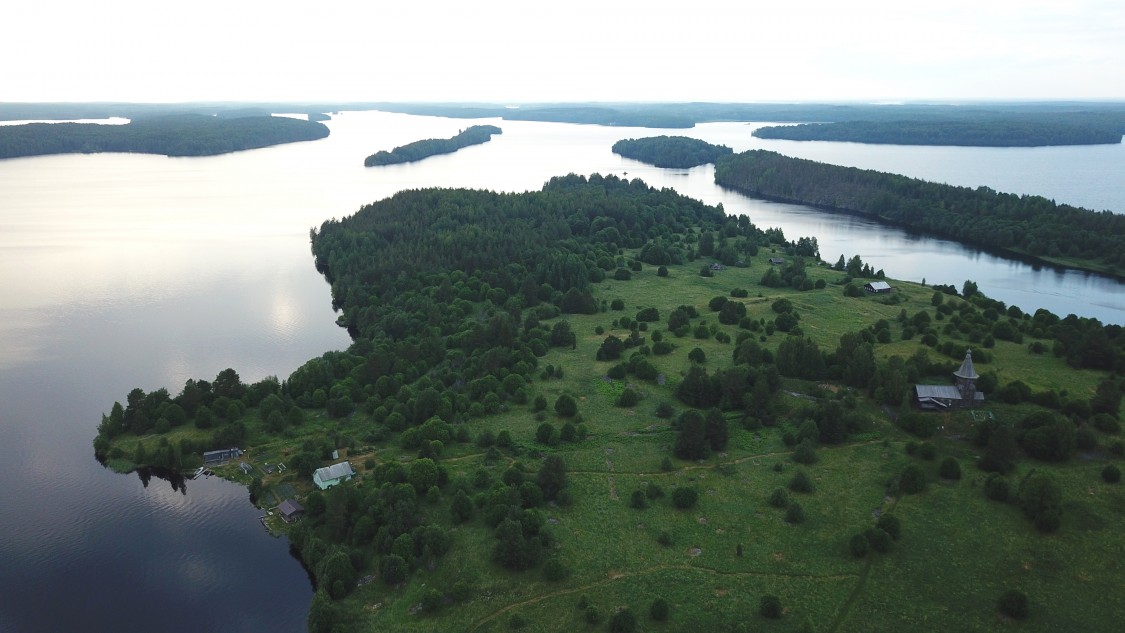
(962, 393)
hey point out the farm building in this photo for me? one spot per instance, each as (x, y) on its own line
(877, 287)
(329, 476)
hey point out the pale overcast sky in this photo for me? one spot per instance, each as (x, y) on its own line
(572, 50)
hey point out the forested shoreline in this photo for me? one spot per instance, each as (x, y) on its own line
(670, 151)
(474, 135)
(169, 135)
(1027, 226)
(602, 376)
(991, 133)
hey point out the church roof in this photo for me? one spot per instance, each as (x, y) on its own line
(967, 372)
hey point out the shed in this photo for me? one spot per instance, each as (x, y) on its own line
(777, 261)
(290, 510)
(877, 286)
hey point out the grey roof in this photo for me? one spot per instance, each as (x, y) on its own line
(289, 507)
(967, 370)
(878, 285)
(940, 392)
(335, 471)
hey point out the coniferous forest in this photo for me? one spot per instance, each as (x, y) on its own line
(1010, 132)
(1020, 225)
(170, 135)
(425, 148)
(670, 151)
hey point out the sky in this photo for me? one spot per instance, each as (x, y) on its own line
(503, 51)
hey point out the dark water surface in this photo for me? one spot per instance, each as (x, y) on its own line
(121, 271)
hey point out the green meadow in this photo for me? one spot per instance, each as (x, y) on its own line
(713, 563)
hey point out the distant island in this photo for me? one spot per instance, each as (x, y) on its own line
(425, 148)
(670, 151)
(171, 135)
(1009, 132)
(1026, 226)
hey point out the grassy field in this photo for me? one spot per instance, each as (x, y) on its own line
(958, 552)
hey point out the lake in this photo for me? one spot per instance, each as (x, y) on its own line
(121, 271)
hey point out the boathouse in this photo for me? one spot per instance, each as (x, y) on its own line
(210, 458)
(329, 476)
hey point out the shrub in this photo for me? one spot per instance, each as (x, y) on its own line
(996, 488)
(859, 546)
(685, 498)
(659, 610)
(664, 410)
(665, 539)
(1013, 604)
(1106, 423)
(795, 514)
(770, 607)
(653, 491)
(565, 406)
(638, 500)
(779, 498)
(623, 621)
(890, 524)
(879, 540)
(516, 622)
(912, 480)
(806, 452)
(666, 465)
(628, 398)
(1111, 474)
(949, 469)
(801, 482)
(554, 570)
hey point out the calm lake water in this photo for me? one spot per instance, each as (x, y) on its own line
(119, 271)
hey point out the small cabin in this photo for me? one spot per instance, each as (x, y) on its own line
(290, 510)
(877, 287)
(777, 261)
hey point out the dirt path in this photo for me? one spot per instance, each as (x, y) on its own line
(858, 589)
(615, 576)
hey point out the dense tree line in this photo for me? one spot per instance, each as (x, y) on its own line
(170, 135)
(686, 115)
(1021, 225)
(670, 151)
(425, 148)
(990, 133)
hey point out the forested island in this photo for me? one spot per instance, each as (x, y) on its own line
(425, 148)
(983, 124)
(1027, 226)
(170, 135)
(600, 406)
(984, 133)
(670, 151)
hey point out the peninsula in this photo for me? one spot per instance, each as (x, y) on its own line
(425, 148)
(600, 404)
(1024, 226)
(168, 134)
